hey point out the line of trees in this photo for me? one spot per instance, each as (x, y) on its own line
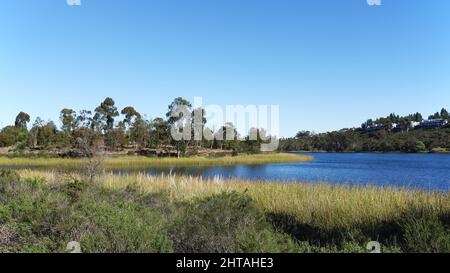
(404, 123)
(404, 138)
(115, 129)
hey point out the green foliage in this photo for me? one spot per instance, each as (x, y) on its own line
(105, 114)
(424, 231)
(68, 119)
(225, 223)
(43, 134)
(123, 228)
(75, 188)
(131, 132)
(9, 174)
(420, 146)
(38, 218)
(380, 141)
(414, 230)
(405, 137)
(21, 120)
(11, 135)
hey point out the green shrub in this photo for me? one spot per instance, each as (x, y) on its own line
(74, 189)
(225, 223)
(39, 218)
(8, 174)
(123, 228)
(424, 232)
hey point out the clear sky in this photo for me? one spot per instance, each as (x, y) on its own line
(329, 64)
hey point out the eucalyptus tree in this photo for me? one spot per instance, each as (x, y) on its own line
(84, 119)
(160, 133)
(179, 117)
(21, 120)
(68, 119)
(198, 124)
(43, 133)
(133, 125)
(105, 114)
(131, 115)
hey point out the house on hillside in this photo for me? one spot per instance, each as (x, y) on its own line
(375, 127)
(432, 123)
(414, 124)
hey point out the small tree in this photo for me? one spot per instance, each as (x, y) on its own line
(420, 146)
(91, 146)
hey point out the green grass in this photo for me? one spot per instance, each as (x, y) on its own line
(130, 162)
(189, 214)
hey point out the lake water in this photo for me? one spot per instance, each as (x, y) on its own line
(423, 171)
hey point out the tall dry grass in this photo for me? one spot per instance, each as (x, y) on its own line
(133, 162)
(319, 204)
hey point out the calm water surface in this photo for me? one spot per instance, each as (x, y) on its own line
(423, 171)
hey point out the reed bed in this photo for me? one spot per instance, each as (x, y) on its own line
(318, 204)
(135, 162)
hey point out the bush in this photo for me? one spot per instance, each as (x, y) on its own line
(9, 174)
(225, 223)
(424, 232)
(38, 218)
(123, 228)
(75, 188)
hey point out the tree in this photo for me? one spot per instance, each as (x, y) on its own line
(105, 114)
(436, 115)
(140, 132)
(444, 114)
(417, 117)
(367, 124)
(393, 118)
(160, 133)
(68, 119)
(84, 119)
(226, 138)
(42, 133)
(198, 124)
(420, 146)
(303, 134)
(90, 145)
(175, 107)
(178, 118)
(130, 113)
(134, 123)
(22, 119)
(115, 138)
(9, 135)
(253, 141)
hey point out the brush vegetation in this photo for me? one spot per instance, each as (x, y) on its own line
(42, 211)
(133, 162)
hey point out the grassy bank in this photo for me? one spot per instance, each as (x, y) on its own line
(140, 213)
(130, 162)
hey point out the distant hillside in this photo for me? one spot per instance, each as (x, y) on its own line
(411, 133)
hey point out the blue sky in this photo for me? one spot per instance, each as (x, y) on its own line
(329, 64)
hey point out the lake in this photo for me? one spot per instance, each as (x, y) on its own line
(421, 171)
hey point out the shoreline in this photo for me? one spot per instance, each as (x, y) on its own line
(131, 162)
(363, 152)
